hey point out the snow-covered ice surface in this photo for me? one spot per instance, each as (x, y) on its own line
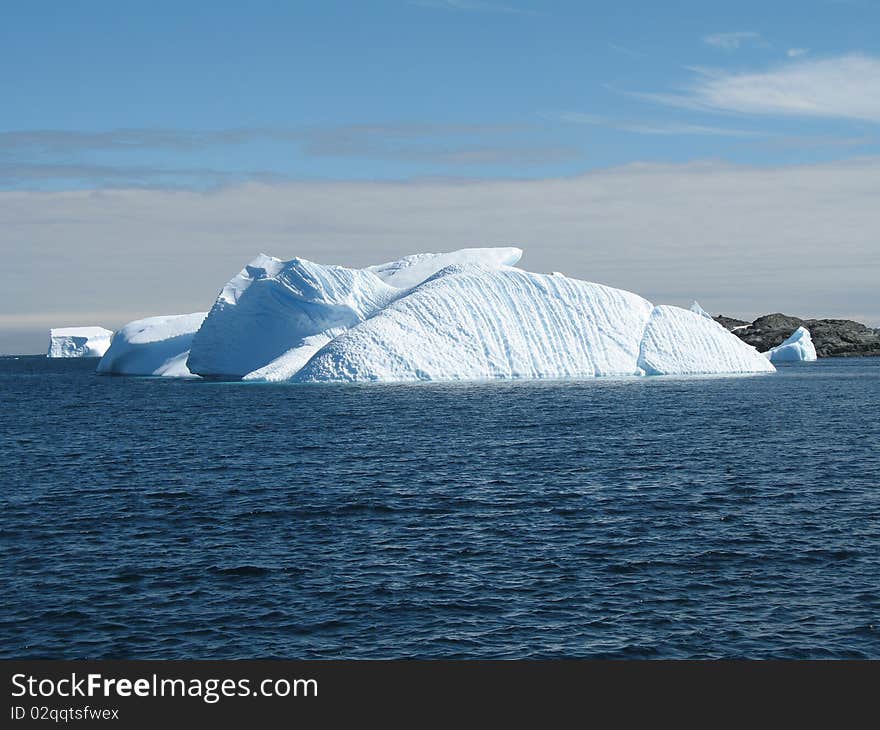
(680, 342)
(78, 341)
(797, 348)
(289, 363)
(412, 270)
(472, 323)
(152, 346)
(697, 309)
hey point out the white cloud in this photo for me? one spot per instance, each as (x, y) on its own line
(797, 52)
(742, 240)
(730, 41)
(846, 87)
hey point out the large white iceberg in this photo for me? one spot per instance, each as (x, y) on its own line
(78, 341)
(797, 348)
(465, 315)
(152, 346)
(274, 315)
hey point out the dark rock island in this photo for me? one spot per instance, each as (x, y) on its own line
(832, 337)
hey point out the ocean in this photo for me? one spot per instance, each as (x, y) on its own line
(146, 518)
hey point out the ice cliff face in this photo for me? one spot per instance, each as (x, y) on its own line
(152, 346)
(78, 341)
(465, 315)
(797, 348)
(274, 315)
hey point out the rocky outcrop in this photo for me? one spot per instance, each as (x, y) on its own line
(832, 337)
(730, 323)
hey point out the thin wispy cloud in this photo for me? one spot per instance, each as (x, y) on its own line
(62, 141)
(797, 52)
(679, 128)
(420, 143)
(54, 141)
(126, 175)
(845, 87)
(115, 157)
(812, 142)
(650, 127)
(731, 41)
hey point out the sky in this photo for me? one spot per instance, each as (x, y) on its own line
(728, 152)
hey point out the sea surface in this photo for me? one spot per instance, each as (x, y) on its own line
(146, 518)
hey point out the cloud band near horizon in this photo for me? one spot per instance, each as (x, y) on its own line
(744, 241)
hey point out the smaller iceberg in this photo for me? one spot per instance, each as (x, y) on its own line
(153, 346)
(797, 348)
(78, 341)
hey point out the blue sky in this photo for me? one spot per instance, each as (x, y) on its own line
(196, 94)
(728, 152)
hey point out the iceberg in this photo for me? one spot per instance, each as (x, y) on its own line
(797, 348)
(274, 315)
(78, 341)
(152, 346)
(460, 316)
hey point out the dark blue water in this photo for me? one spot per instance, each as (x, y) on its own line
(724, 517)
